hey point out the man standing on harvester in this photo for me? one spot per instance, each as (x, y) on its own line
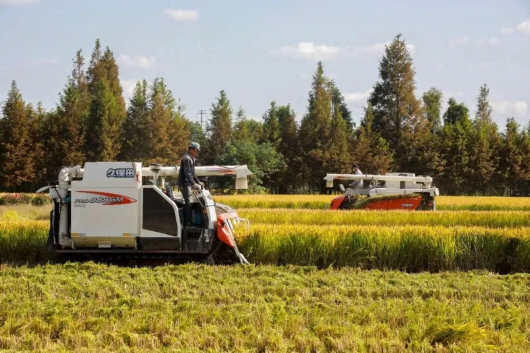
(188, 179)
(356, 184)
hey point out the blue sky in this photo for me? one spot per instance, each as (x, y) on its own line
(258, 51)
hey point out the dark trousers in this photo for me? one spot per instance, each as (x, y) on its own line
(186, 195)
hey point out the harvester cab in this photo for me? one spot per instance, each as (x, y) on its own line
(105, 209)
(391, 191)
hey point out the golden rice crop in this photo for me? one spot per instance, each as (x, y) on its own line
(408, 248)
(23, 241)
(476, 203)
(491, 219)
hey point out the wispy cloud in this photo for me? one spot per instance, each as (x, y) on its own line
(182, 15)
(524, 27)
(517, 108)
(358, 96)
(19, 2)
(45, 62)
(459, 41)
(453, 94)
(128, 87)
(507, 30)
(377, 49)
(140, 61)
(310, 51)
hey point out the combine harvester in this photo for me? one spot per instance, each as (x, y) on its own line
(392, 191)
(104, 210)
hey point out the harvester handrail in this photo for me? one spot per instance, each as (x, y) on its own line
(374, 177)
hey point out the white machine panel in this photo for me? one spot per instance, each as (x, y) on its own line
(106, 202)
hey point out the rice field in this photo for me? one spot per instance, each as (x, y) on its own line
(84, 307)
(367, 281)
(447, 203)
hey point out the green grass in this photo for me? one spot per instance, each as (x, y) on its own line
(88, 307)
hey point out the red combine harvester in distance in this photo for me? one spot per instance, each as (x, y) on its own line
(392, 191)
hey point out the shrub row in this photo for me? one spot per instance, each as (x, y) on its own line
(24, 199)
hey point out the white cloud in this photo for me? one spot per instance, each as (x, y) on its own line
(493, 40)
(128, 87)
(507, 30)
(309, 51)
(377, 49)
(358, 96)
(517, 108)
(453, 94)
(45, 62)
(459, 41)
(140, 61)
(182, 15)
(524, 27)
(439, 65)
(19, 2)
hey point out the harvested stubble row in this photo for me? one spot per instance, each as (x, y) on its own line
(447, 203)
(490, 219)
(408, 248)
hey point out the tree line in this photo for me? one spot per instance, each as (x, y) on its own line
(398, 132)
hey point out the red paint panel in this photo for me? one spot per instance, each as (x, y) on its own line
(405, 203)
(336, 202)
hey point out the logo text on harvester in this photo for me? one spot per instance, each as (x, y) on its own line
(103, 198)
(120, 173)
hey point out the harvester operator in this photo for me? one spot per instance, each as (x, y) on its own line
(188, 179)
(356, 184)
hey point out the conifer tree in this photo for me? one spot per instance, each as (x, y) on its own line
(315, 131)
(134, 132)
(432, 101)
(397, 112)
(485, 144)
(370, 150)
(290, 149)
(219, 128)
(337, 150)
(271, 126)
(107, 107)
(17, 163)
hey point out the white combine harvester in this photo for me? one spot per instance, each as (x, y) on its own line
(410, 192)
(105, 210)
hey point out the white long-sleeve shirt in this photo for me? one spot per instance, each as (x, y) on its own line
(357, 184)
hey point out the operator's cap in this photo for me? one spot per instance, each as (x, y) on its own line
(195, 145)
(355, 166)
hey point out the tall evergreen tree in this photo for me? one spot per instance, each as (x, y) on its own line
(370, 150)
(290, 149)
(134, 132)
(17, 162)
(64, 130)
(107, 107)
(219, 128)
(315, 131)
(340, 102)
(397, 112)
(456, 139)
(432, 101)
(485, 144)
(271, 126)
(337, 150)
(247, 129)
(512, 154)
